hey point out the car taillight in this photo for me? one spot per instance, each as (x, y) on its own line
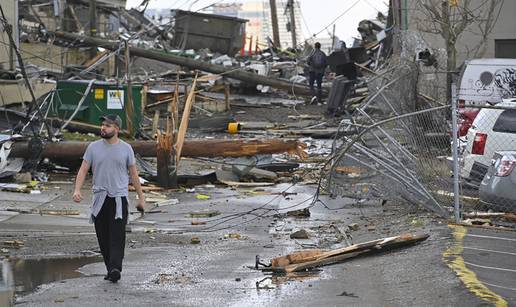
(464, 125)
(479, 144)
(505, 167)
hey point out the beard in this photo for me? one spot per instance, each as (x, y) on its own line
(106, 135)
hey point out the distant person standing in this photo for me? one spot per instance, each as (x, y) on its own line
(317, 62)
(112, 162)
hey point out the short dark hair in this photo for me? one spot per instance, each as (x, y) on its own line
(317, 45)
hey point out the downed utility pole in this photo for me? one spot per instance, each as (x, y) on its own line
(253, 78)
(191, 148)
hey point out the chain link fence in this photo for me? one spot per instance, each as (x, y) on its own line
(395, 145)
(400, 144)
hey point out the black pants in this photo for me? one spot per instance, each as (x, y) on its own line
(111, 233)
(315, 77)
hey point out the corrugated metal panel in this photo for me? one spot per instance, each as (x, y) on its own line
(218, 33)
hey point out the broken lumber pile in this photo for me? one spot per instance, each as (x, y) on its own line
(306, 260)
(73, 150)
(159, 55)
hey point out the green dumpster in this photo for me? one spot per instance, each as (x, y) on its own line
(102, 98)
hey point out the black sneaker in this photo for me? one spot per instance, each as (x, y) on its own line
(114, 275)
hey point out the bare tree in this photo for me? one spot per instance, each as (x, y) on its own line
(450, 19)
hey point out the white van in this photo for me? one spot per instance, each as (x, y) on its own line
(487, 81)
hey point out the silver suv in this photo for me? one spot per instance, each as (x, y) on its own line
(497, 188)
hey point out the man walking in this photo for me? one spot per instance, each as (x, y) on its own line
(111, 159)
(317, 63)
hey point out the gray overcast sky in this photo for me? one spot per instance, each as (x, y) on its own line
(317, 13)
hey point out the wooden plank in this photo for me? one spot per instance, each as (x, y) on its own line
(146, 188)
(246, 184)
(155, 123)
(297, 257)
(181, 134)
(355, 247)
(318, 263)
(58, 212)
(351, 251)
(95, 58)
(227, 96)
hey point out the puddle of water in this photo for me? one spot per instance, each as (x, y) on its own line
(31, 273)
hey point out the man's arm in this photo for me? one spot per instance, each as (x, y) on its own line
(135, 180)
(79, 180)
(309, 59)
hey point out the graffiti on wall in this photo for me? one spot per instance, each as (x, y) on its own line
(505, 81)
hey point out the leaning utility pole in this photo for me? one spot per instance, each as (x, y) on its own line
(129, 105)
(333, 38)
(274, 20)
(93, 23)
(293, 24)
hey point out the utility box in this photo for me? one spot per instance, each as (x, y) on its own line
(102, 98)
(216, 32)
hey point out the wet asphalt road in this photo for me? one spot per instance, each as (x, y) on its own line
(492, 256)
(218, 271)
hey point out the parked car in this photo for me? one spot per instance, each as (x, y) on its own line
(497, 189)
(465, 120)
(492, 130)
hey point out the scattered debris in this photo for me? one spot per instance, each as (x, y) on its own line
(14, 243)
(198, 223)
(308, 260)
(232, 236)
(167, 202)
(202, 196)
(371, 228)
(58, 212)
(25, 177)
(344, 293)
(299, 213)
(300, 234)
(205, 214)
(353, 226)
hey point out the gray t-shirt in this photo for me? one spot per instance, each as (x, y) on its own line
(110, 164)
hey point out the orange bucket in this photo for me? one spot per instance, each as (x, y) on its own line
(233, 128)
